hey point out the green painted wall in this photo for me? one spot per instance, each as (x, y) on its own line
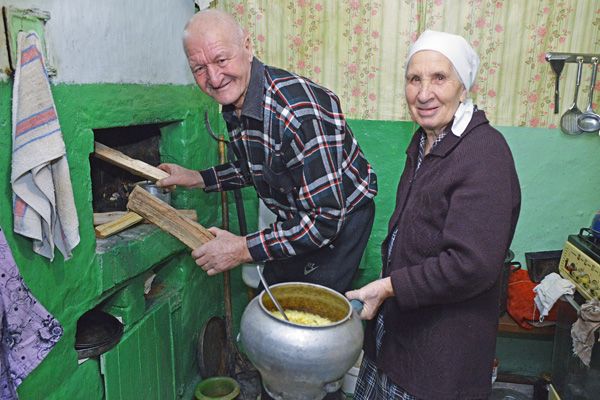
(559, 183)
(384, 144)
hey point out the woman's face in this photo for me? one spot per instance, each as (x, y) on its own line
(433, 90)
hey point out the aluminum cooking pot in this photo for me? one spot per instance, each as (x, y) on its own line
(155, 191)
(300, 362)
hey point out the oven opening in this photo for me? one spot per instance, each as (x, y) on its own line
(111, 184)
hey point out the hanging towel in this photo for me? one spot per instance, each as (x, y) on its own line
(43, 204)
(584, 329)
(28, 332)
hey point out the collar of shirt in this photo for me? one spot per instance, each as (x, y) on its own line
(253, 103)
(422, 145)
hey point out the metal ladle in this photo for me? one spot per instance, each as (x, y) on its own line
(262, 279)
(589, 121)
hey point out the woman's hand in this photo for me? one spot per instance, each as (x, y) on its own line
(372, 295)
(180, 176)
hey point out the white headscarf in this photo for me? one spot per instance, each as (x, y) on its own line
(465, 61)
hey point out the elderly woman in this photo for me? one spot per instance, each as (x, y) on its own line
(434, 313)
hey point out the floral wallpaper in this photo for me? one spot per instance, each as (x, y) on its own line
(357, 48)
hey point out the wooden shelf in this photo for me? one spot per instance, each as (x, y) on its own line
(508, 325)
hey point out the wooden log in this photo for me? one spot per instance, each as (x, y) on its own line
(136, 167)
(191, 233)
(118, 225)
(106, 217)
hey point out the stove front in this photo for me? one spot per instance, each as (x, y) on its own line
(580, 263)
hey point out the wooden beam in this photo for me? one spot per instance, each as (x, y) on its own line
(106, 217)
(136, 167)
(191, 233)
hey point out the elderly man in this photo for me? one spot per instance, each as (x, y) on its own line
(293, 145)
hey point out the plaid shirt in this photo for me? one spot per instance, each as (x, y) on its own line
(293, 145)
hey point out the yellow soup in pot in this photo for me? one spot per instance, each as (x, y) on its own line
(303, 318)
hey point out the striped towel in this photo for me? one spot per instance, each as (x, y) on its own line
(43, 204)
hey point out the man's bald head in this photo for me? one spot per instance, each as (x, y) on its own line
(211, 20)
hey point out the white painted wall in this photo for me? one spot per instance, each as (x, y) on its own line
(115, 41)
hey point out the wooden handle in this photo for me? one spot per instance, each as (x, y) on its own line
(191, 233)
(136, 167)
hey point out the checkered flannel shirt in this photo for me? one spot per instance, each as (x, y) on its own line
(293, 145)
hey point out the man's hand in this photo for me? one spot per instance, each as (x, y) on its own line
(223, 253)
(180, 176)
(372, 295)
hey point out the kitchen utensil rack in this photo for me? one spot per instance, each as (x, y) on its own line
(570, 57)
(557, 61)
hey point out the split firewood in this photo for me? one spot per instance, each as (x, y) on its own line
(191, 233)
(136, 167)
(106, 217)
(128, 220)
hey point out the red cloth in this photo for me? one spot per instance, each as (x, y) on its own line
(520, 305)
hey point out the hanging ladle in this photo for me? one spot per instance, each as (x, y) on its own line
(589, 121)
(557, 66)
(264, 283)
(568, 122)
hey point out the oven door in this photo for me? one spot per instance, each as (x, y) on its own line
(571, 379)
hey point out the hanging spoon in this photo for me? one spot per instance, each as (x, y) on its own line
(557, 66)
(589, 121)
(568, 122)
(264, 282)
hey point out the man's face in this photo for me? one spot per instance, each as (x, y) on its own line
(220, 65)
(433, 90)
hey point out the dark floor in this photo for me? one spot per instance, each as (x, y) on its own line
(500, 390)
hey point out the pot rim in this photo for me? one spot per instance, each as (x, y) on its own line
(263, 293)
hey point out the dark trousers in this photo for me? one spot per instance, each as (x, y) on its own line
(333, 265)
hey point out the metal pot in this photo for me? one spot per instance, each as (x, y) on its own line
(159, 192)
(299, 362)
(508, 268)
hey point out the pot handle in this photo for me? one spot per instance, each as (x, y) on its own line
(332, 387)
(515, 266)
(357, 305)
